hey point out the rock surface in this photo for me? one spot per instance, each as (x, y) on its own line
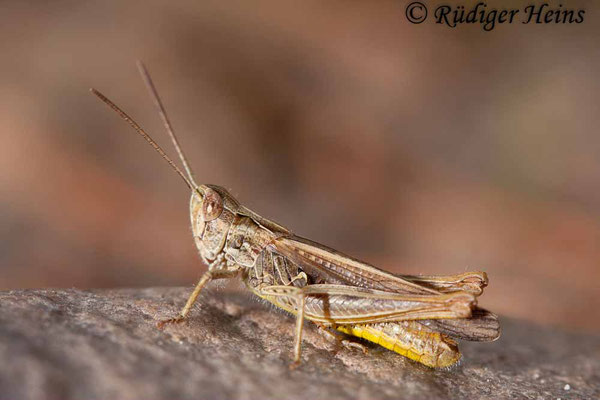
(71, 344)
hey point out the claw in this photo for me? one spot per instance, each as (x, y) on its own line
(294, 365)
(177, 320)
(352, 345)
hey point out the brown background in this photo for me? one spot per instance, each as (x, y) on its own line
(419, 148)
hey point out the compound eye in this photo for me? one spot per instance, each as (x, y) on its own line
(212, 205)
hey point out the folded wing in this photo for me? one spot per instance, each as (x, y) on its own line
(327, 265)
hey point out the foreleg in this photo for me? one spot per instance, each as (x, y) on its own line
(207, 277)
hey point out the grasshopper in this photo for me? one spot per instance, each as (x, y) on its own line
(419, 317)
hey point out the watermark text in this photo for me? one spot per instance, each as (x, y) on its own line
(489, 18)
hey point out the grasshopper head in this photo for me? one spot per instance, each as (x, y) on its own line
(212, 211)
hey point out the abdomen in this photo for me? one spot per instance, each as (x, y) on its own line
(410, 339)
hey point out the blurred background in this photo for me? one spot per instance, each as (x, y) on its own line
(418, 148)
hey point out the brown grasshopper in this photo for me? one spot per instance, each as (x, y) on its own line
(416, 316)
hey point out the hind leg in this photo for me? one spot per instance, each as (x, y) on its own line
(346, 342)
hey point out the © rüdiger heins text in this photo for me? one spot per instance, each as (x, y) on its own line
(489, 18)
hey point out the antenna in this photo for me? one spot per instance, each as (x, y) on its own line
(142, 133)
(165, 118)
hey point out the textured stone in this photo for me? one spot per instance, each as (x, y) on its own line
(95, 344)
